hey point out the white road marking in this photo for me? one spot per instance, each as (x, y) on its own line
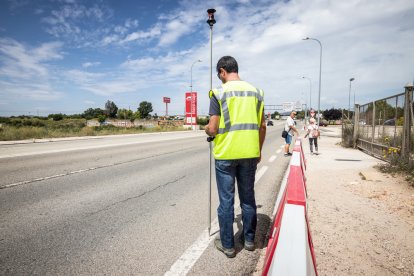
(193, 253)
(260, 173)
(272, 158)
(279, 151)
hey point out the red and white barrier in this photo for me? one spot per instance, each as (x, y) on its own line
(290, 248)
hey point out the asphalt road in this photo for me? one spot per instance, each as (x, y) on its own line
(124, 205)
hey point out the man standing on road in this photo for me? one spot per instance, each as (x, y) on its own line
(237, 122)
(290, 128)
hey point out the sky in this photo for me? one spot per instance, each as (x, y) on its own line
(65, 56)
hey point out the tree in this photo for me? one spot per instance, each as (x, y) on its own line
(332, 114)
(137, 115)
(91, 113)
(145, 108)
(273, 116)
(124, 114)
(101, 118)
(111, 109)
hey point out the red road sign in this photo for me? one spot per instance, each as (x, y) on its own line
(191, 108)
(166, 100)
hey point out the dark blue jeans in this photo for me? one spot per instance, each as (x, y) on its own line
(244, 171)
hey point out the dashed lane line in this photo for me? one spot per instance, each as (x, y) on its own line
(260, 173)
(272, 158)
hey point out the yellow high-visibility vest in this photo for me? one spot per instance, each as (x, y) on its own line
(241, 109)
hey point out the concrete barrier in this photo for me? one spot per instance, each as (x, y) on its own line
(290, 247)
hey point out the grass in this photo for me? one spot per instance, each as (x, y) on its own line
(22, 129)
(400, 166)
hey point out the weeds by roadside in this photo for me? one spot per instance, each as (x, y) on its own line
(347, 135)
(398, 167)
(38, 129)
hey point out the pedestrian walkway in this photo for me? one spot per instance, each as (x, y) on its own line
(361, 220)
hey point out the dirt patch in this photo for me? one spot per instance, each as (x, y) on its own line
(392, 192)
(362, 220)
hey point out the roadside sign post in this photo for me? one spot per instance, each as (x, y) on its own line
(191, 109)
(166, 100)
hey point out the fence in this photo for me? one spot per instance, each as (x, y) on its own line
(384, 128)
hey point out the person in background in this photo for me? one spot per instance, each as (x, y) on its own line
(313, 133)
(290, 127)
(312, 113)
(237, 122)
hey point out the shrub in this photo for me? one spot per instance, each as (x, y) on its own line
(101, 118)
(347, 135)
(4, 120)
(56, 117)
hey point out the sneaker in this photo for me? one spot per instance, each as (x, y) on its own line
(229, 252)
(288, 154)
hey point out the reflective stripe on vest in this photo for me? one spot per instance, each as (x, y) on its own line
(226, 116)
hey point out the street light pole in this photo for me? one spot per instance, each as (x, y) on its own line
(191, 72)
(310, 93)
(320, 75)
(349, 97)
(191, 92)
(306, 106)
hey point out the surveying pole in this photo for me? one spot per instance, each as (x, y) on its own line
(211, 21)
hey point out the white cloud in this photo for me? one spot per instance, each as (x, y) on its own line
(29, 91)
(104, 84)
(77, 23)
(25, 71)
(370, 41)
(131, 23)
(177, 27)
(109, 39)
(141, 35)
(21, 62)
(90, 64)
